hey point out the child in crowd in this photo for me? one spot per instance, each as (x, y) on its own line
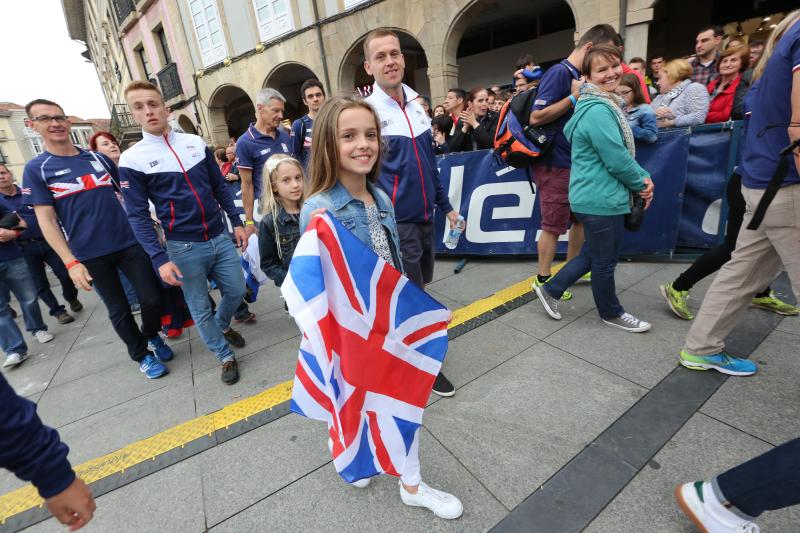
(279, 229)
(641, 116)
(345, 162)
(440, 127)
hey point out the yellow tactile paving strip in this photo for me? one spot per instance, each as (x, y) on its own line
(26, 498)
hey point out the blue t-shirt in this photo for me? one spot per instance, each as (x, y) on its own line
(25, 212)
(301, 139)
(8, 250)
(769, 102)
(254, 148)
(81, 191)
(556, 85)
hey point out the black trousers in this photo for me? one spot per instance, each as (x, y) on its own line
(712, 260)
(37, 252)
(135, 263)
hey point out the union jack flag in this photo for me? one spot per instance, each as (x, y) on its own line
(372, 345)
(80, 184)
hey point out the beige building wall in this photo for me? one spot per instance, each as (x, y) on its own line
(330, 49)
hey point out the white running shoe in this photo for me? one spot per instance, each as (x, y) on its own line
(695, 500)
(14, 358)
(628, 322)
(43, 336)
(442, 504)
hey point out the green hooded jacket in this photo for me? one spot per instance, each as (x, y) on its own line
(603, 172)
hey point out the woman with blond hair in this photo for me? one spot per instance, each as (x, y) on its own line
(682, 102)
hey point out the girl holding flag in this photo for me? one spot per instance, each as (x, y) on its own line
(345, 161)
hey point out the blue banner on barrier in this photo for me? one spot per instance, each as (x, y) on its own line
(689, 170)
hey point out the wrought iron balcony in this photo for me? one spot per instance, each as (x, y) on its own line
(170, 82)
(123, 8)
(123, 127)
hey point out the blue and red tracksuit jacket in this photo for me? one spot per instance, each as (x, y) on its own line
(178, 173)
(409, 174)
(31, 450)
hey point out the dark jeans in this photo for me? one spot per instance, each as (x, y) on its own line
(37, 253)
(598, 256)
(418, 251)
(135, 263)
(712, 260)
(768, 482)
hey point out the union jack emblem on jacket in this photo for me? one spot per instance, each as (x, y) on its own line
(372, 345)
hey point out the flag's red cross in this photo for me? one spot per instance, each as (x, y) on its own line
(362, 358)
(82, 183)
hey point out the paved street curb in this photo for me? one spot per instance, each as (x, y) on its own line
(23, 507)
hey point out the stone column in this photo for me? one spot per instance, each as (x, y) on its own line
(442, 78)
(637, 30)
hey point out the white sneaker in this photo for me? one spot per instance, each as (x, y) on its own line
(361, 483)
(14, 358)
(700, 505)
(43, 336)
(628, 322)
(442, 504)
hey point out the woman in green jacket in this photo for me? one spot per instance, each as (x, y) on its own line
(604, 174)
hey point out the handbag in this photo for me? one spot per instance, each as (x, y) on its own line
(634, 219)
(10, 221)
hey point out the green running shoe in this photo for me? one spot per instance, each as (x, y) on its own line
(536, 283)
(772, 303)
(676, 301)
(586, 278)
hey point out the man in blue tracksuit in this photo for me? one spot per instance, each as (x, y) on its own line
(178, 174)
(302, 128)
(34, 452)
(409, 174)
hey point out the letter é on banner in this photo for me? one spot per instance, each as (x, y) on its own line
(523, 211)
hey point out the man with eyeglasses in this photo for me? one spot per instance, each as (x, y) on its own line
(75, 189)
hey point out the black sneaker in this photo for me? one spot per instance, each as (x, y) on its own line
(230, 372)
(75, 306)
(64, 318)
(234, 338)
(442, 386)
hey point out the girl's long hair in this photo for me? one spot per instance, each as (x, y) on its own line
(323, 168)
(270, 202)
(774, 37)
(631, 81)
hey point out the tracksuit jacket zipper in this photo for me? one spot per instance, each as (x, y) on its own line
(196, 196)
(419, 161)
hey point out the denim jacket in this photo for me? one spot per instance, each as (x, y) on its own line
(642, 120)
(276, 266)
(353, 216)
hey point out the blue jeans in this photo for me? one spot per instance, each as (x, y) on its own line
(768, 482)
(15, 275)
(198, 261)
(37, 253)
(598, 256)
(10, 336)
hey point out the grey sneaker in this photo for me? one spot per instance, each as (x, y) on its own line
(14, 358)
(549, 303)
(628, 322)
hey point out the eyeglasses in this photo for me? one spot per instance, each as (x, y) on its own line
(624, 92)
(45, 119)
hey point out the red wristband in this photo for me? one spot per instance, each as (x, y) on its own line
(72, 264)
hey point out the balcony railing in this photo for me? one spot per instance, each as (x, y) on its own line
(123, 127)
(170, 82)
(123, 8)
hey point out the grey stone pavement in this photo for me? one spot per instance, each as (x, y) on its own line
(532, 393)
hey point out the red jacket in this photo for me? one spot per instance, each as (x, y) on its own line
(628, 70)
(721, 107)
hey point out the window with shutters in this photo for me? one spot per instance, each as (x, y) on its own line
(274, 18)
(208, 31)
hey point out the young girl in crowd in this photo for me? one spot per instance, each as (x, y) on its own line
(279, 229)
(603, 177)
(641, 117)
(345, 161)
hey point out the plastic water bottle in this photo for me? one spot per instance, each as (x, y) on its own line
(454, 233)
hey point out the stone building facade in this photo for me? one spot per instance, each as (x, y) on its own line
(233, 48)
